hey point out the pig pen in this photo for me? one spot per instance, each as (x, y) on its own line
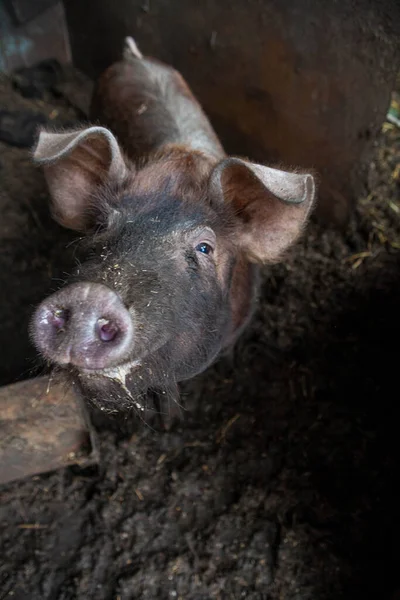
(280, 483)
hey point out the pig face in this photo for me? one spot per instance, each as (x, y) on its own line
(167, 272)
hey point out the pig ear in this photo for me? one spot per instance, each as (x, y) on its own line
(75, 165)
(272, 206)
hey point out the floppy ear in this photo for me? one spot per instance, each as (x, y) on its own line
(76, 164)
(272, 206)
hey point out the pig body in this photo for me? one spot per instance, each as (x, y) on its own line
(174, 231)
(148, 105)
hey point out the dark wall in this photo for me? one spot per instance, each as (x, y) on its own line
(305, 82)
(31, 32)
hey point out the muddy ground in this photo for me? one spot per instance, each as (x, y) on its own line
(281, 481)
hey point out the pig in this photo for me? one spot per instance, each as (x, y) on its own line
(174, 232)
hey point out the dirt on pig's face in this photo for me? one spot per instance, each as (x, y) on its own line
(167, 264)
(170, 261)
(167, 251)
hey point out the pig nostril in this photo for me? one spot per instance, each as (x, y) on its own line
(107, 330)
(59, 318)
(85, 325)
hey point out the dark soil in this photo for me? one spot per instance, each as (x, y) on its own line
(281, 481)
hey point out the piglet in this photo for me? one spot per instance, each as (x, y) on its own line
(174, 231)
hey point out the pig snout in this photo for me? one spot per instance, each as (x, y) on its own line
(85, 325)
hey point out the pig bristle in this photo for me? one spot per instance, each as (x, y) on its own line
(131, 48)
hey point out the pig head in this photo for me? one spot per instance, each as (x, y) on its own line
(173, 231)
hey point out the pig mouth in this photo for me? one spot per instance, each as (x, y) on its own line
(118, 373)
(146, 384)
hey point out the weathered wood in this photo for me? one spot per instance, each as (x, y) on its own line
(43, 426)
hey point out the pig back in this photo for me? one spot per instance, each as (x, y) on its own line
(148, 105)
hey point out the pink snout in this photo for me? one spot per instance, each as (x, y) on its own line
(85, 325)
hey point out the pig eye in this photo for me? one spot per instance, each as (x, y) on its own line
(204, 248)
